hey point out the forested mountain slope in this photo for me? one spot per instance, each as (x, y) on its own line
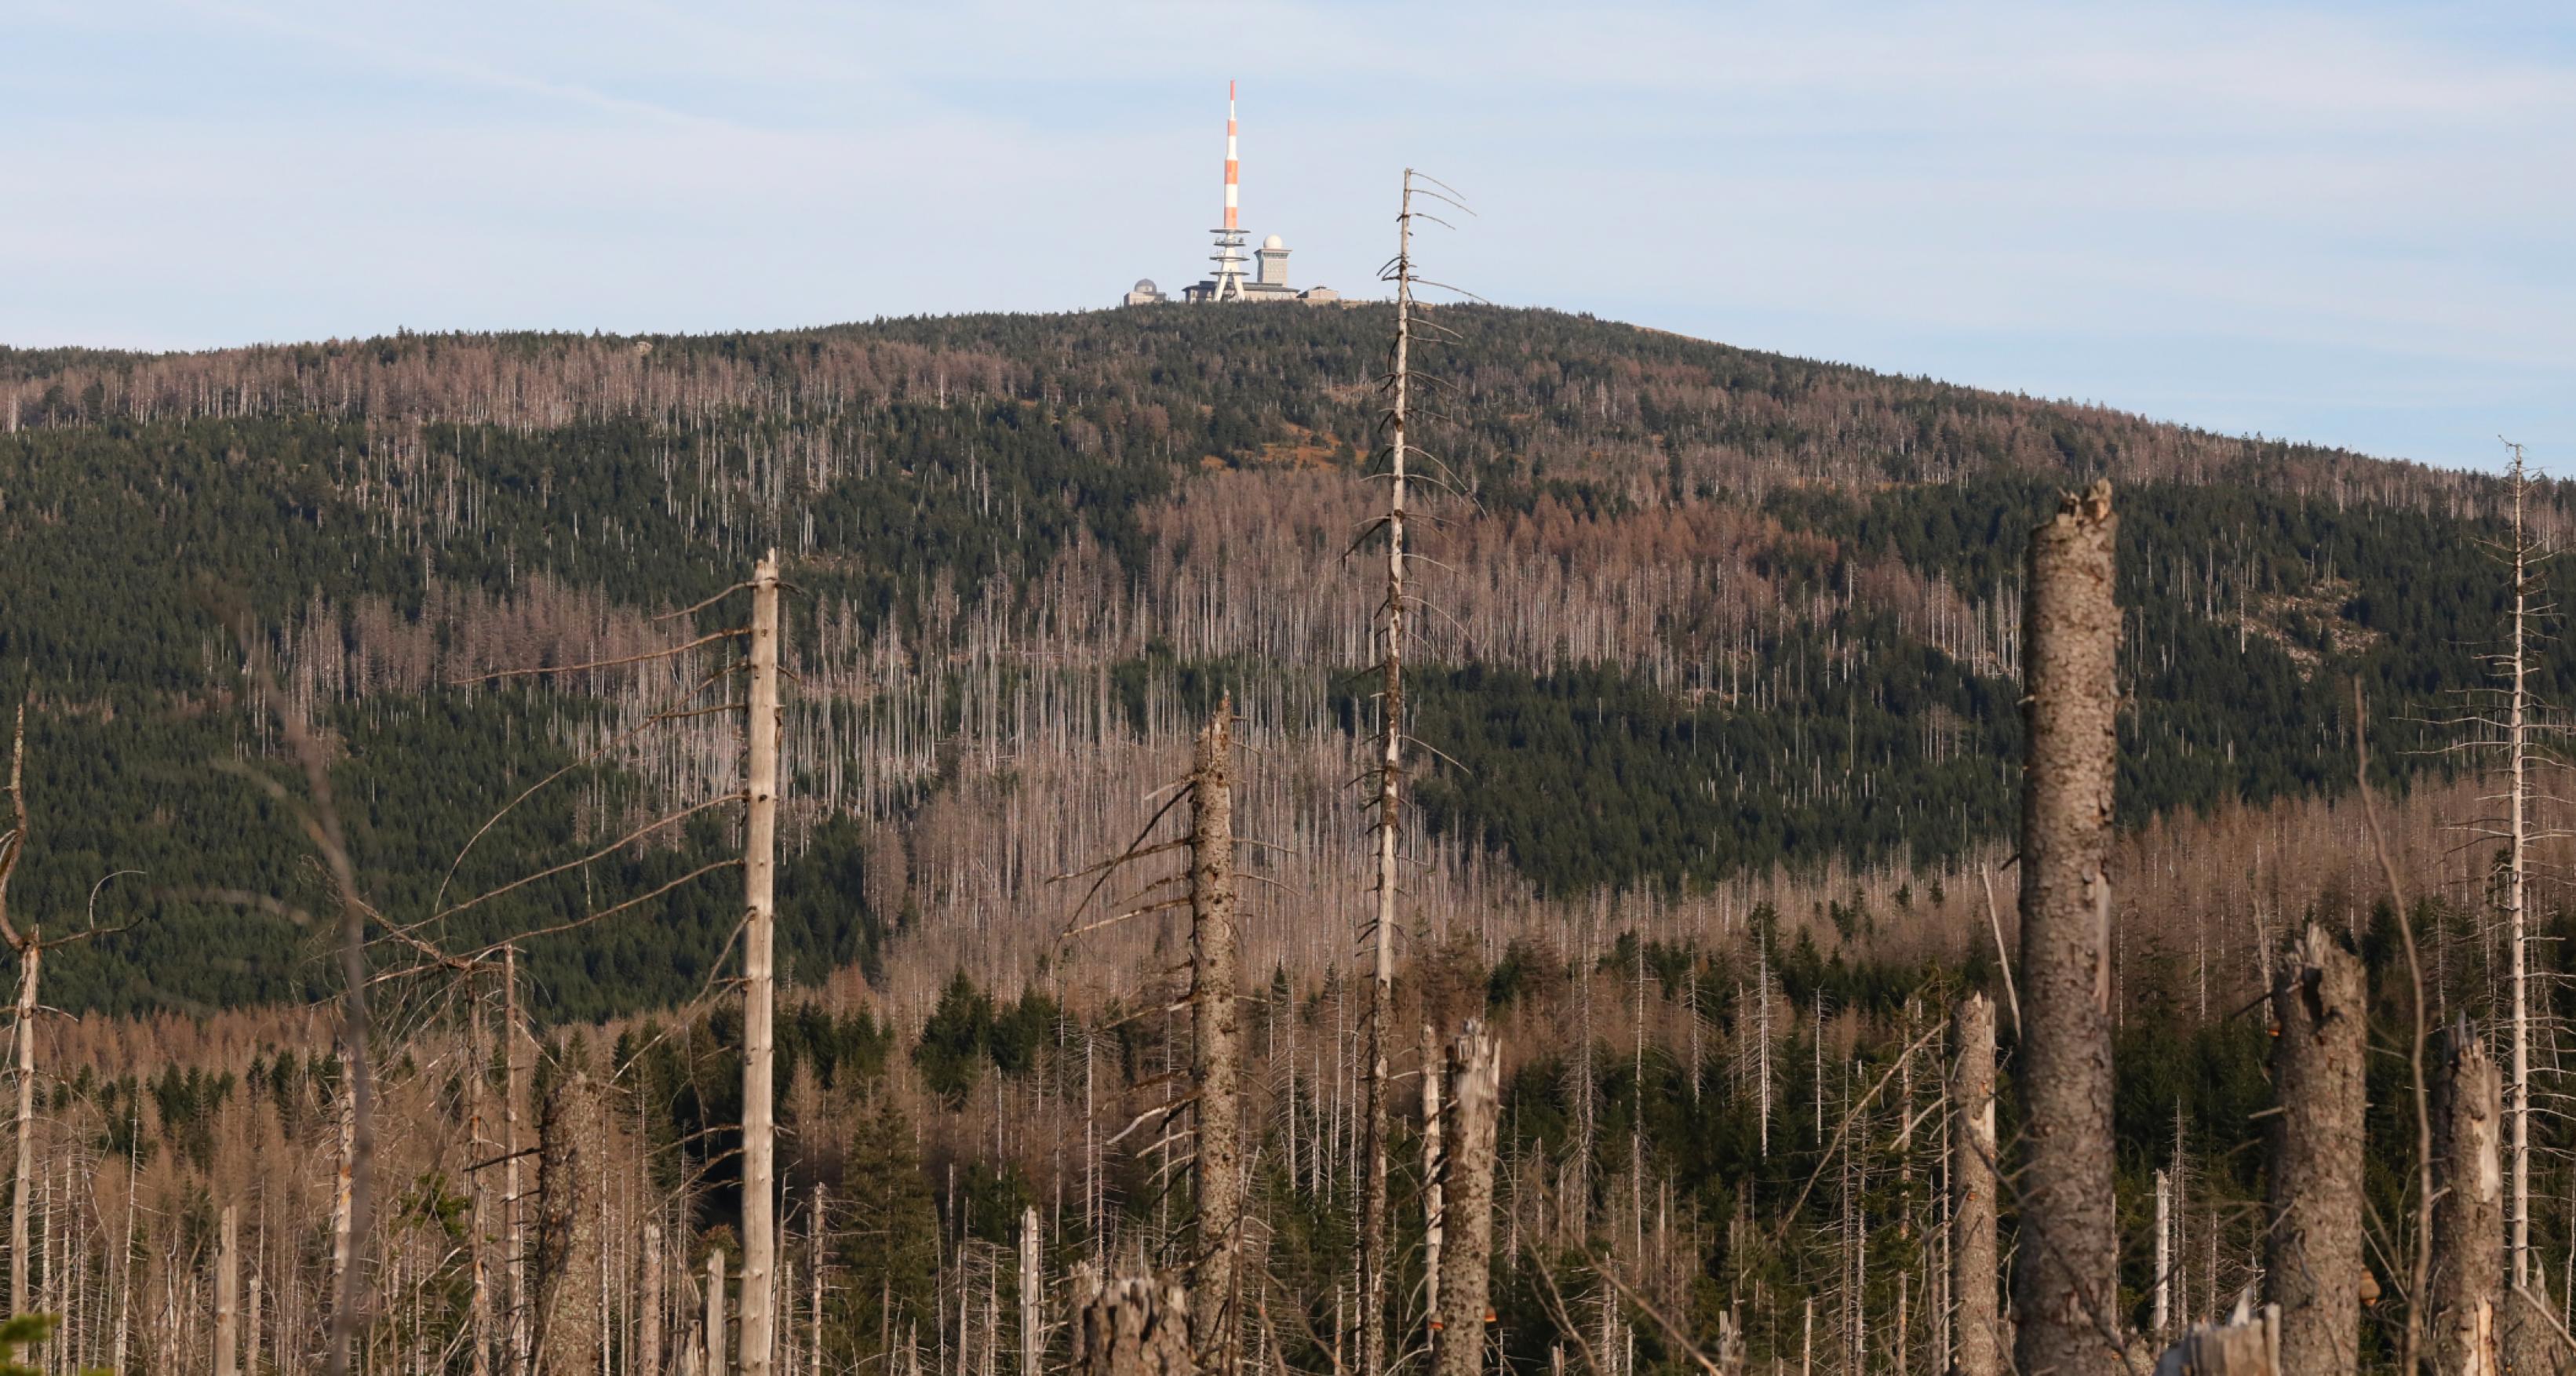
(1702, 622)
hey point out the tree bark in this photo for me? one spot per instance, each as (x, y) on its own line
(2248, 1347)
(715, 1325)
(648, 1325)
(1973, 1275)
(31, 955)
(1131, 1326)
(2067, 1288)
(1217, 979)
(1475, 1083)
(2466, 1299)
(760, 856)
(228, 1293)
(2313, 1262)
(1390, 802)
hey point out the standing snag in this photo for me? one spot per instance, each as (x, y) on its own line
(2468, 1212)
(759, 994)
(1973, 1277)
(2313, 1264)
(1131, 1326)
(2067, 1286)
(1217, 981)
(1475, 1084)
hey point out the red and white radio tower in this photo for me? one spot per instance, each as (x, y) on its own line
(1228, 281)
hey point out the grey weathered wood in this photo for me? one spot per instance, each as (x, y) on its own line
(1130, 1326)
(1973, 1273)
(2066, 1289)
(1216, 978)
(2250, 1346)
(2313, 1246)
(759, 993)
(2467, 1282)
(1475, 1084)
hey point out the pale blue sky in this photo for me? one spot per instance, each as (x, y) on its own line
(2344, 223)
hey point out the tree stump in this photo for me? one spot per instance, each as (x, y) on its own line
(1131, 1326)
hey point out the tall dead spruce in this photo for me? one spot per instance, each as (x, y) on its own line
(2313, 1266)
(2468, 1212)
(2067, 1283)
(1217, 981)
(759, 992)
(1390, 814)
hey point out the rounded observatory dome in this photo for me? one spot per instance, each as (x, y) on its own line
(1145, 286)
(1274, 241)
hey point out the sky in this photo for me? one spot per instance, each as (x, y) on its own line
(2344, 223)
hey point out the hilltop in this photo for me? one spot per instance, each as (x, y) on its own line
(1702, 621)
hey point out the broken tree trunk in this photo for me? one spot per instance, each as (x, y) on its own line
(2251, 1346)
(1973, 1276)
(2066, 1294)
(1475, 1082)
(714, 1363)
(759, 994)
(1131, 1326)
(2468, 1212)
(2313, 1263)
(1217, 979)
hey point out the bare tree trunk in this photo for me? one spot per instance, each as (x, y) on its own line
(814, 1254)
(2067, 1312)
(344, 1240)
(1475, 1083)
(2517, 1085)
(1973, 1275)
(1131, 1326)
(1433, 1165)
(1373, 1201)
(2313, 1265)
(31, 955)
(1217, 980)
(759, 863)
(1032, 1321)
(2466, 1299)
(2160, 1324)
(514, 1223)
(31, 950)
(479, 1237)
(251, 1351)
(715, 1325)
(648, 1325)
(228, 1293)
(2251, 1346)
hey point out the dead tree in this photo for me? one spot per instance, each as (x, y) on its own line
(2468, 1213)
(1973, 1276)
(568, 1234)
(2248, 1346)
(1217, 980)
(2313, 1264)
(648, 1323)
(1390, 804)
(714, 1355)
(759, 994)
(1131, 1326)
(228, 1295)
(2066, 1289)
(1475, 1085)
